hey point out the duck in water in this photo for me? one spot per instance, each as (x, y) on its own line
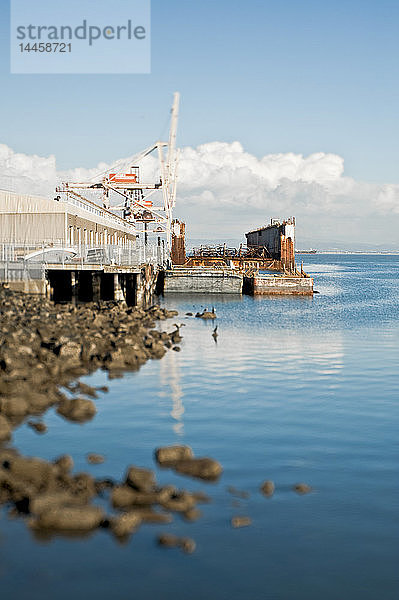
(215, 334)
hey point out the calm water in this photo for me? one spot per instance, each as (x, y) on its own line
(294, 390)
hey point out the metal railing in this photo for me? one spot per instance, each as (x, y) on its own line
(91, 207)
(25, 262)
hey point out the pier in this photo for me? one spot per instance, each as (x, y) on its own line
(74, 251)
(203, 280)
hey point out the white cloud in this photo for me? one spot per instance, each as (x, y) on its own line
(223, 191)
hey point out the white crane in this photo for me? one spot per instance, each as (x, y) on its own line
(156, 214)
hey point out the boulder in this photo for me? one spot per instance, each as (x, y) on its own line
(64, 463)
(69, 353)
(202, 468)
(188, 545)
(78, 409)
(14, 406)
(142, 480)
(5, 429)
(169, 455)
(267, 488)
(191, 515)
(125, 524)
(95, 459)
(302, 488)
(34, 471)
(51, 500)
(69, 518)
(168, 540)
(179, 502)
(237, 522)
(39, 427)
(122, 496)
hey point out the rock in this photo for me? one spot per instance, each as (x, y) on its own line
(237, 522)
(302, 488)
(189, 314)
(123, 496)
(39, 427)
(51, 500)
(103, 484)
(125, 524)
(70, 518)
(188, 545)
(176, 348)
(168, 540)
(179, 502)
(118, 360)
(169, 455)
(142, 480)
(193, 514)
(206, 314)
(202, 468)
(158, 350)
(84, 485)
(87, 390)
(69, 354)
(78, 409)
(13, 406)
(95, 459)
(5, 429)
(38, 402)
(45, 348)
(64, 463)
(267, 488)
(33, 471)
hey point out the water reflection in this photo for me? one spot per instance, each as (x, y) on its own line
(170, 377)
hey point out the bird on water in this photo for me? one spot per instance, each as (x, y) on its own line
(215, 333)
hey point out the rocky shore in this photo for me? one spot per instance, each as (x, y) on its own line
(45, 346)
(44, 350)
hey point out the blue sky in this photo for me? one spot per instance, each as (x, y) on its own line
(288, 76)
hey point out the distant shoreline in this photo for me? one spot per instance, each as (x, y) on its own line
(380, 252)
